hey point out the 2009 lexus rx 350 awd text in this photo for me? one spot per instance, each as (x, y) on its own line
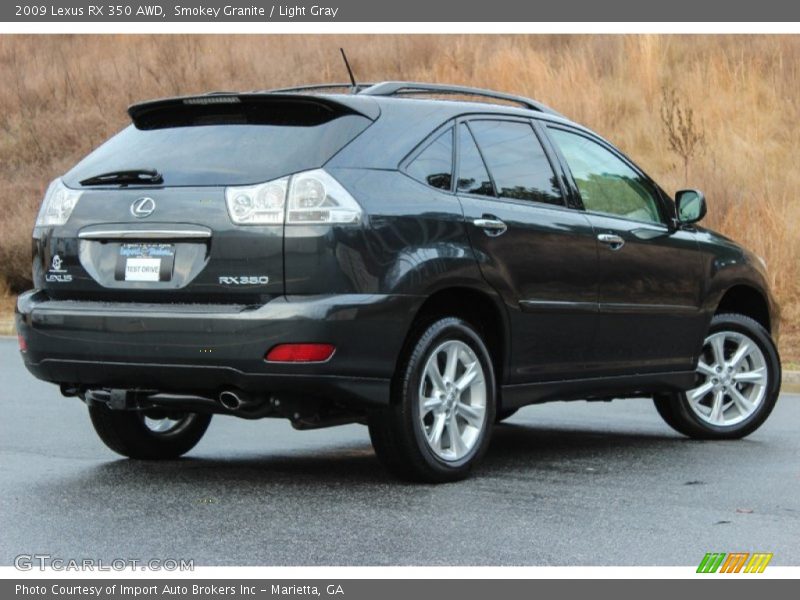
(416, 264)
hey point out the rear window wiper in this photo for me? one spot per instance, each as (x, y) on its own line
(131, 176)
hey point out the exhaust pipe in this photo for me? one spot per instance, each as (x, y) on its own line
(232, 399)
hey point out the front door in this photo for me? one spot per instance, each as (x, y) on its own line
(650, 273)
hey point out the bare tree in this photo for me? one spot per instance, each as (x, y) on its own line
(685, 136)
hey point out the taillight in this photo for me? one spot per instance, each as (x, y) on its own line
(23, 345)
(58, 204)
(262, 204)
(300, 353)
(309, 198)
(316, 198)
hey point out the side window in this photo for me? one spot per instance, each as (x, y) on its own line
(516, 161)
(473, 178)
(606, 183)
(434, 165)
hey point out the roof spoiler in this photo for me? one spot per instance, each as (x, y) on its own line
(220, 108)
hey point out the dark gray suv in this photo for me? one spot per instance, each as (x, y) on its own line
(388, 257)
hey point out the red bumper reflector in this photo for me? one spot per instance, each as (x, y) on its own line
(23, 345)
(300, 353)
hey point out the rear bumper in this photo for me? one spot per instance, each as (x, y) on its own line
(202, 349)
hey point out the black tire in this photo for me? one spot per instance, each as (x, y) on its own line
(665, 406)
(504, 414)
(125, 432)
(676, 411)
(397, 432)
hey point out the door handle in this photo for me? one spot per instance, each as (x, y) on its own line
(612, 240)
(490, 226)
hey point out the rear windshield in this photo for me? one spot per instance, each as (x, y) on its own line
(221, 154)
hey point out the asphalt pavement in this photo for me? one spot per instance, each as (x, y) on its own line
(563, 484)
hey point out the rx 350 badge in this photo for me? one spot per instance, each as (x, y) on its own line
(244, 280)
(56, 273)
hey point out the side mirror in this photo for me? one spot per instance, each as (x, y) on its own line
(690, 206)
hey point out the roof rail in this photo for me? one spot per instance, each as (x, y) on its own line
(399, 88)
(321, 87)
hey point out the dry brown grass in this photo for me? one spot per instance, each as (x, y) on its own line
(6, 312)
(62, 95)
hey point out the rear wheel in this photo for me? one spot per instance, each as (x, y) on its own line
(149, 435)
(443, 405)
(738, 381)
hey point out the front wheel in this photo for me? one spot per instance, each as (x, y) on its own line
(150, 435)
(738, 382)
(443, 406)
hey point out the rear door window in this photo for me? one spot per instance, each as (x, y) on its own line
(516, 160)
(473, 178)
(434, 165)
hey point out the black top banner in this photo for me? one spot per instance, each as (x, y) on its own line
(465, 11)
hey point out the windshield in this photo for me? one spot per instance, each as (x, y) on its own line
(214, 155)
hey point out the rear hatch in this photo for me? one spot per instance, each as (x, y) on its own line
(151, 222)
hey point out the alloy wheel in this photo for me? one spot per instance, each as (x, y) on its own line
(733, 379)
(452, 400)
(164, 423)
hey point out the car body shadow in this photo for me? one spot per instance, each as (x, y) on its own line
(520, 448)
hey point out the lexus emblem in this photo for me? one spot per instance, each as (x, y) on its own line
(143, 207)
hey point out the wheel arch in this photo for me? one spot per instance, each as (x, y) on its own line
(480, 308)
(746, 300)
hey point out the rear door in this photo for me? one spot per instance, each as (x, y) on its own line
(204, 230)
(650, 272)
(536, 252)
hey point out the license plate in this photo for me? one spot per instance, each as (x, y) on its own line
(145, 262)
